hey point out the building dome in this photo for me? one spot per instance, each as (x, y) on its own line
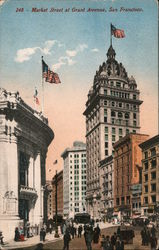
(112, 68)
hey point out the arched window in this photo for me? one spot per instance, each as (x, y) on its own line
(113, 113)
(127, 116)
(120, 114)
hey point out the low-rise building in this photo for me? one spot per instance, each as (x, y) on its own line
(150, 175)
(106, 174)
(57, 181)
(127, 162)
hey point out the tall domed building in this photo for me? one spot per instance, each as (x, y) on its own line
(112, 111)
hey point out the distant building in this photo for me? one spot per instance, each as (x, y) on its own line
(24, 139)
(150, 175)
(49, 199)
(59, 179)
(127, 171)
(106, 173)
(74, 179)
(112, 111)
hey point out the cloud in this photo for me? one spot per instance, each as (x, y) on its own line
(26, 53)
(80, 48)
(2, 2)
(63, 60)
(95, 50)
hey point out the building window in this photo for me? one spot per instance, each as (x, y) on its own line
(117, 201)
(153, 163)
(146, 189)
(113, 137)
(113, 113)
(105, 119)
(134, 123)
(153, 175)
(113, 130)
(113, 104)
(120, 131)
(146, 177)
(153, 198)
(134, 115)
(127, 131)
(105, 91)
(153, 152)
(120, 104)
(134, 97)
(106, 152)
(106, 137)
(127, 116)
(118, 84)
(153, 187)
(134, 107)
(127, 106)
(146, 200)
(120, 115)
(105, 103)
(106, 144)
(134, 131)
(146, 165)
(106, 129)
(146, 154)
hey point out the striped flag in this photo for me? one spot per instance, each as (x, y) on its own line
(36, 99)
(49, 75)
(118, 33)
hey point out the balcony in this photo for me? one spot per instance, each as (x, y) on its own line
(27, 193)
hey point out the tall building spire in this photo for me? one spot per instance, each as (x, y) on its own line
(111, 53)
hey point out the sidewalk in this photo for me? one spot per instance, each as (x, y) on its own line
(29, 242)
(36, 239)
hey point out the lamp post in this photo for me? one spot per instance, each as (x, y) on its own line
(56, 227)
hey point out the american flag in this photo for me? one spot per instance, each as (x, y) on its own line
(118, 33)
(36, 99)
(45, 69)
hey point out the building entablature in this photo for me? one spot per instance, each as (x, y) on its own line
(20, 120)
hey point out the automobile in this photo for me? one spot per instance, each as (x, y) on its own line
(140, 221)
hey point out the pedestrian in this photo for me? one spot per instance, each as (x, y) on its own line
(96, 234)
(17, 234)
(41, 234)
(107, 244)
(80, 231)
(89, 237)
(113, 240)
(67, 239)
(153, 231)
(118, 231)
(153, 242)
(72, 231)
(50, 228)
(1, 238)
(119, 244)
(44, 234)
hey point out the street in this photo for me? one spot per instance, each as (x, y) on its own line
(79, 243)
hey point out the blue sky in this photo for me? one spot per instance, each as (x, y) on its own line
(74, 45)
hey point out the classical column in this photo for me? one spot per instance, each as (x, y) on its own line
(9, 218)
(37, 186)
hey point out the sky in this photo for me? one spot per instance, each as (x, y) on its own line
(74, 43)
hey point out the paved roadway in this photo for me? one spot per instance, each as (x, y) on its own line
(79, 243)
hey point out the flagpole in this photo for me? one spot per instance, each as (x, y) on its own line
(42, 84)
(110, 34)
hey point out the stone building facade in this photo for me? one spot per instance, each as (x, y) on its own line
(106, 175)
(74, 179)
(112, 111)
(24, 140)
(150, 175)
(59, 180)
(127, 166)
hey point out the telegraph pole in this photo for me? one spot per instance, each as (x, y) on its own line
(56, 227)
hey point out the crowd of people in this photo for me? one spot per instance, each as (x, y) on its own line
(149, 237)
